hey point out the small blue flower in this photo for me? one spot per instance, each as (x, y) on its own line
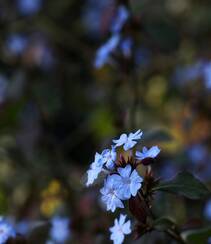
(6, 231)
(120, 229)
(121, 17)
(103, 53)
(148, 153)
(16, 43)
(109, 157)
(95, 169)
(128, 141)
(110, 193)
(60, 231)
(28, 7)
(130, 182)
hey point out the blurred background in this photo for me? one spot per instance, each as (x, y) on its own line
(59, 104)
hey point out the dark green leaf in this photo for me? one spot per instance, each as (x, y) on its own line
(184, 184)
(197, 236)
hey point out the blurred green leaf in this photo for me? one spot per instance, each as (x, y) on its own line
(184, 184)
(197, 236)
(102, 123)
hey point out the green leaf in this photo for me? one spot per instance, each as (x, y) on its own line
(184, 184)
(163, 224)
(197, 236)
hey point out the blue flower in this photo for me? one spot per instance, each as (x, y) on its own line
(120, 229)
(103, 53)
(28, 7)
(121, 17)
(6, 231)
(16, 43)
(130, 182)
(95, 169)
(147, 153)
(128, 141)
(110, 193)
(60, 231)
(109, 157)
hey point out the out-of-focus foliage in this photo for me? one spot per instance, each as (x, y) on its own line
(56, 108)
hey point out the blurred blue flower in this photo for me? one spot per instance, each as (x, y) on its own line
(93, 16)
(148, 153)
(109, 156)
(167, 171)
(6, 231)
(188, 73)
(60, 230)
(110, 193)
(120, 229)
(95, 169)
(207, 210)
(197, 153)
(129, 183)
(207, 75)
(126, 47)
(29, 7)
(128, 141)
(47, 59)
(197, 70)
(120, 18)
(103, 53)
(16, 43)
(22, 227)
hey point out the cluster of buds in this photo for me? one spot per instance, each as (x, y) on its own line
(123, 181)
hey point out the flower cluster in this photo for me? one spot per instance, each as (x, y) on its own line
(122, 180)
(103, 54)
